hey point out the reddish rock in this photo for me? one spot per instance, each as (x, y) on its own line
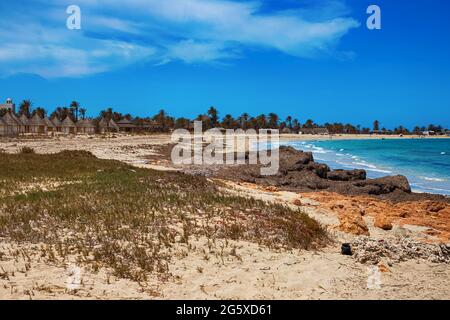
(383, 222)
(353, 224)
(383, 268)
(435, 206)
(271, 189)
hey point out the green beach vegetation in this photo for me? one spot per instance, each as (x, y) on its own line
(131, 220)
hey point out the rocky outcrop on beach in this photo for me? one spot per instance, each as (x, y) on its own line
(299, 172)
(431, 214)
(347, 175)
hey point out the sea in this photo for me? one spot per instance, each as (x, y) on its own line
(425, 162)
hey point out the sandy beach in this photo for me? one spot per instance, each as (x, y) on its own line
(237, 269)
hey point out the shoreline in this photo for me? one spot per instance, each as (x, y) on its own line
(423, 161)
(318, 137)
(103, 145)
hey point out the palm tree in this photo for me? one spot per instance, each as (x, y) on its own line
(261, 121)
(107, 114)
(110, 114)
(40, 112)
(351, 129)
(309, 124)
(273, 120)
(296, 125)
(160, 119)
(83, 113)
(61, 113)
(25, 108)
(205, 120)
(289, 121)
(214, 115)
(376, 126)
(227, 121)
(58, 113)
(243, 120)
(181, 123)
(401, 130)
(74, 106)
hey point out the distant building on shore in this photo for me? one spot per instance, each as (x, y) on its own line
(14, 125)
(320, 130)
(107, 125)
(8, 105)
(126, 125)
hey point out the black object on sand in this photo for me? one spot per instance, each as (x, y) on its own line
(346, 249)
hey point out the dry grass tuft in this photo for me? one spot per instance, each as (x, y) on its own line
(26, 150)
(130, 219)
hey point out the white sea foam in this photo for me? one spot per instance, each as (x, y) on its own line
(365, 164)
(417, 187)
(341, 158)
(319, 150)
(433, 179)
(379, 170)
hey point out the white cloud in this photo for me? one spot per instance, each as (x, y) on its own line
(51, 52)
(114, 24)
(190, 51)
(192, 31)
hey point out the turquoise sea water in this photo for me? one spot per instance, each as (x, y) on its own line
(425, 162)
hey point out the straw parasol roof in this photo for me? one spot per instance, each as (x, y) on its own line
(49, 122)
(67, 122)
(36, 121)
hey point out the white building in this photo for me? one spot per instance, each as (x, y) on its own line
(9, 105)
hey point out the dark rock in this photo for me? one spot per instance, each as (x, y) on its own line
(386, 184)
(304, 158)
(291, 159)
(320, 169)
(299, 173)
(347, 175)
(346, 249)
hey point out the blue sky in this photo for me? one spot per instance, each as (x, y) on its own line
(305, 58)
